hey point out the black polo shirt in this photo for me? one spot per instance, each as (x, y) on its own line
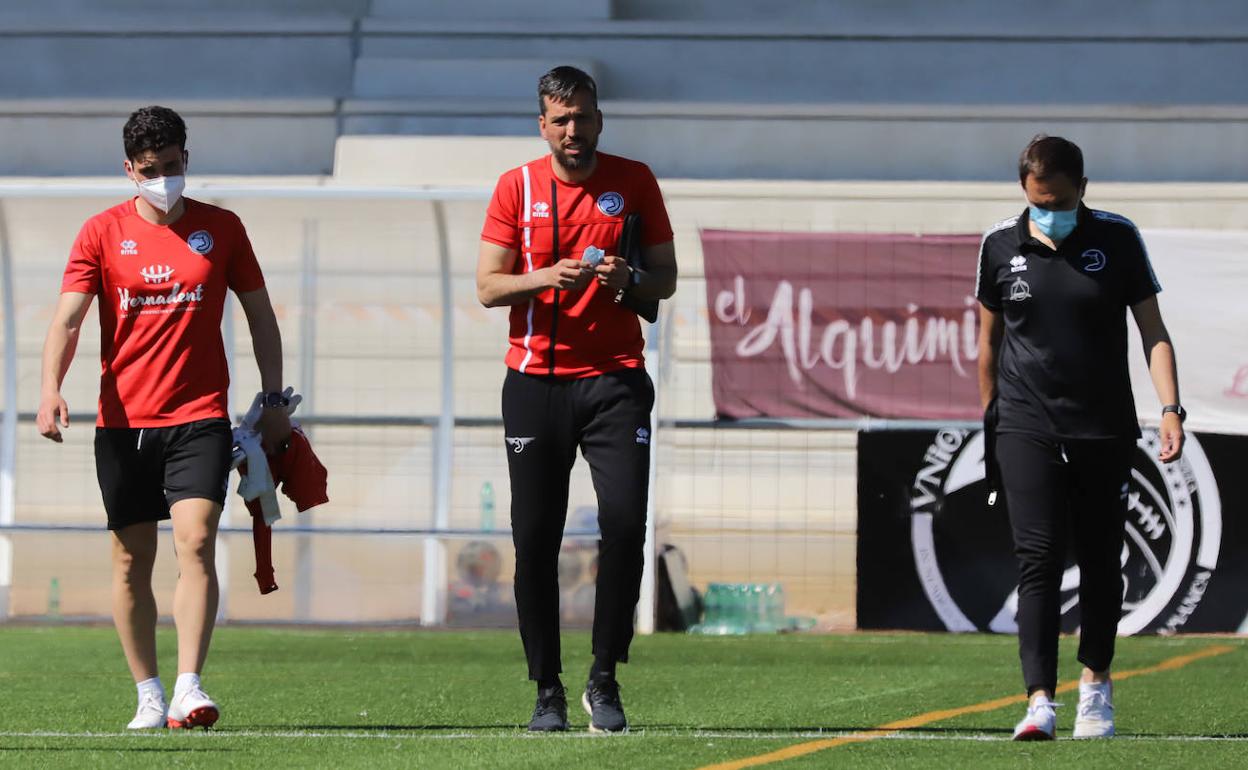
(1062, 367)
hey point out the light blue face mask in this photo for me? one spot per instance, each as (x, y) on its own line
(1055, 224)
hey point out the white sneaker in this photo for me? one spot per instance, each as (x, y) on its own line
(192, 708)
(151, 714)
(1040, 724)
(1095, 718)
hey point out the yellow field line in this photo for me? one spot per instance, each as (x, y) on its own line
(892, 728)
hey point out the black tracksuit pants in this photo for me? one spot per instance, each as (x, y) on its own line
(1055, 491)
(545, 420)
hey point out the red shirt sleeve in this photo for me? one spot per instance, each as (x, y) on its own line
(503, 214)
(656, 227)
(82, 273)
(243, 273)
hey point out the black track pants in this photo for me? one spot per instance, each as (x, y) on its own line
(1055, 491)
(545, 420)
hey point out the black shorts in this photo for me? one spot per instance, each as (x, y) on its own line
(144, 471)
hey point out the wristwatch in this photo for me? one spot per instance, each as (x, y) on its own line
(276, 400)
(634, 278)
(1177, 409)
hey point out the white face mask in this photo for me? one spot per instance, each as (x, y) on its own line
(163, 192)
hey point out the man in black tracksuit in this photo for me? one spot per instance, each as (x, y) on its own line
(1055, 284)
(576, 376)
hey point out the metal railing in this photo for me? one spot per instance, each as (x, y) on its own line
(434, 600)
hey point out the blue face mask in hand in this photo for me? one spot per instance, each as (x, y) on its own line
(1055, 224)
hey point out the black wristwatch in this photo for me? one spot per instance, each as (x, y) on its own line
(634, 278)
(276, 400)
(1179, 410)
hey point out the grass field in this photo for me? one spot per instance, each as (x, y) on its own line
(342, 698)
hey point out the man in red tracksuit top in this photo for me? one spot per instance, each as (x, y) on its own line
(576, 377)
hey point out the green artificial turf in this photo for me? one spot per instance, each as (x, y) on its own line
(357, 698)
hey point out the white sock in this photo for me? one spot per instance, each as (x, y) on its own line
(186, 682)
(1087, 688)
(152, 686)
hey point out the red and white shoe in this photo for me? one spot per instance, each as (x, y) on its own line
(1040, 724)
(192, 708)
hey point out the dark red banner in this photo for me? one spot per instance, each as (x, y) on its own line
(842, 325)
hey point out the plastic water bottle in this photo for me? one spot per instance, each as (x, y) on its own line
(775, 607)
(54, 599)
(739, 622)
(760, 610)
(487, 507)
(712, 608)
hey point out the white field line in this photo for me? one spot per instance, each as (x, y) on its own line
(517, 734)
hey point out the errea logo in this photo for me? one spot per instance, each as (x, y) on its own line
(129, 248)
(643, 436)
(541, 210)
(156, 273)
(1018, 264)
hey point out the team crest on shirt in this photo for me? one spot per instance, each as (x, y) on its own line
(611, 203)
(200, 242)
(1093, 260)
(541, 210)
(129, 248)
(1020, 290)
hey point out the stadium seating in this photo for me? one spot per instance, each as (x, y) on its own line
(701, 89)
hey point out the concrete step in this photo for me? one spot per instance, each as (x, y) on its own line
(811, 142)
(792, 63)
(992, 17)
(204, 56)
(65, 137)
(162, 10)
(496, 10)
(402, 77)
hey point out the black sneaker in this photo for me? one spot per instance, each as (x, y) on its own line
(551, 712)
(602, 702)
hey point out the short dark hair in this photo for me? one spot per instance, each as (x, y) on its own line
(1047, 155)
(153, 128)
(562, 83)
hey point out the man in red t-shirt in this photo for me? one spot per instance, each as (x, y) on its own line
(575, 377)
(161, 265)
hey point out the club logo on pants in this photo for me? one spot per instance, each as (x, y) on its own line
(518, 443)
(1169, 557)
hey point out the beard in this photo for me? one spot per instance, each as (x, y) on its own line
(577, 162)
